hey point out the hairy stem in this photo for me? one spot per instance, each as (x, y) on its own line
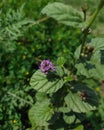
(90, 22)
(92, 19)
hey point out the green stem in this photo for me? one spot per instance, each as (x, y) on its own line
(90, 22)
(92, 19)
(38, 21)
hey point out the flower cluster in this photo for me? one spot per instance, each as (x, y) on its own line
(46, 66)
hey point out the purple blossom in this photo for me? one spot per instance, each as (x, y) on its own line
(46, 66)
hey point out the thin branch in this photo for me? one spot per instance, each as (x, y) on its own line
(38, 21)
(90, 22)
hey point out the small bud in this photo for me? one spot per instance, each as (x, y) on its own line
(27, 73)
(14, 121)
(88, 49)
(83, 95)
(75, 77)
(84, 98)
(82, 54)
(88, 31)
(83, 29)
(97, 89)
(49, 39)
(84, 8)
(91, 49)
(24, 57)
(85, 55)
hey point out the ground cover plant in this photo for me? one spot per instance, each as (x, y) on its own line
(51, 68)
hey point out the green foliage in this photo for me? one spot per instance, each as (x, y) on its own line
(64, 14)
(93, 62)
(79, 127)
(40, 82)
(76, 99)
(12, 27)
(61, 61)
(76, 104)
(60, 100)
(20, 57)
(39, 117)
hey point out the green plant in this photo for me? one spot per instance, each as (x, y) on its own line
(63, 96)
(26, 39)
(20, 54)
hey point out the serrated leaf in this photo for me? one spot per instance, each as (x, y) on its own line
(92, 68)
(96, 73)
(82, 70)
(46, 83)
(40, 113)
(64, 14)
(98, 44)
(82, 87)
(76, 104)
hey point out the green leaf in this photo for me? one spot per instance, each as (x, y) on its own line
(79, 127)
(64, 109)
(81, 70)
(40, 96)
(90, 94)
(68, 78)
(77, 53)
(69, 119)
(92, 68)
(46, 83)
(64, 14)
(40, 113)
(60, 128)
(98, 44)
(62, 71)
(28, 129)
(61, 61)
(95, 73)
(76, 104)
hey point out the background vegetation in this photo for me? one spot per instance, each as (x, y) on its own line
(26, 38)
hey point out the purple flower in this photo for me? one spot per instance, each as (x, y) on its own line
(46, 66)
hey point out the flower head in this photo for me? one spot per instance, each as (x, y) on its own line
(46, 66)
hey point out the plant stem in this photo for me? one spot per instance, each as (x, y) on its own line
(92, 19)
(90, 22)
(38, 21)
